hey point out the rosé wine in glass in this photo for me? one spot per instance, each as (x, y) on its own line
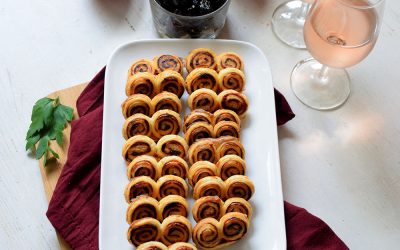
(338, 34)
(340, 44)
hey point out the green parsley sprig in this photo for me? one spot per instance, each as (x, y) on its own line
(49, 118)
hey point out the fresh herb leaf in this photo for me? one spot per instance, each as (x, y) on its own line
(31, 141)
(37, 116)
(42, 147)
(54, 153)
(45, 159)
(39, 106)
(68, 112)
(48, 120)
(59, 138)
(48, 111)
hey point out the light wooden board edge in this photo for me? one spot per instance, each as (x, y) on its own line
(52, 171)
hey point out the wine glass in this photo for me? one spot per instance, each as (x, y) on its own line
(288, 22)
(338, 34)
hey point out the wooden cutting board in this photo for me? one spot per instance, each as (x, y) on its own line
(53, 169)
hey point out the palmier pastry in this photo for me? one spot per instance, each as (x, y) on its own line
(143, 165)
(142, 65)
(230, 165)
(197, 131)
(197, 115)
(172, 145)
(208, 207)
(169, 62)
(226, 128)
(205, 99)
(209, 186)
(199, 170)
(166, 122)
(173, 205)
(171, 81)
(231, 78)
(141, 83)
(225, 115)
(173, 165)
(233, 226)
(172, 185)
(203, 150)
(175, 228)
(228, 145)
(239, 205)
(233, 100)
(138, 145)
(202, 78)
(182, 246)
(137, 104)
(137, 124)
(201, 58)
(166, 100)
(152, 245)
(229, 60)
(206, 233)
(141, 207)
(239, 186)
(138, 186)
(144, 230)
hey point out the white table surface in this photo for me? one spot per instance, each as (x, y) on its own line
(342, 165)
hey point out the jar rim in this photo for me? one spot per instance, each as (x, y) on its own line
(191, 17)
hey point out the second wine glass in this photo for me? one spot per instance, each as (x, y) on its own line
(288, 22)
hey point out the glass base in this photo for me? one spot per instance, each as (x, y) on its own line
(320, 87)
(288, 23)
(162, 34)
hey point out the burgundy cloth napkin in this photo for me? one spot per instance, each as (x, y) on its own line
(74, 207)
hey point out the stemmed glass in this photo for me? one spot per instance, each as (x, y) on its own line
(288, 22)
(338, 34)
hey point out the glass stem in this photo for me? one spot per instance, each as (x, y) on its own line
(323, 73)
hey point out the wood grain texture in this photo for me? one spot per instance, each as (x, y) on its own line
(52, 171)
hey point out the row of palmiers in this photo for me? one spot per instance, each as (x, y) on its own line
(215, 207)
(226, 79)
(146, 165)
(208, 100)
(206, 207)
(239, 186)
(165, 186)
(197, 58)
(155, 245)
(142, 104)
(163, 122)
(171, 81)
(225, 167)
(146, 206)
(168, 145)
(211, 234)
(200, 115)
(210, 149)
(173, 229)
(158, 65)
(150, 85)
(207, 58)
(200, 130)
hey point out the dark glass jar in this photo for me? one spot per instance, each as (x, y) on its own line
(190, 23)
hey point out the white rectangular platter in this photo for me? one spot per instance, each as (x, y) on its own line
(258, 135)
